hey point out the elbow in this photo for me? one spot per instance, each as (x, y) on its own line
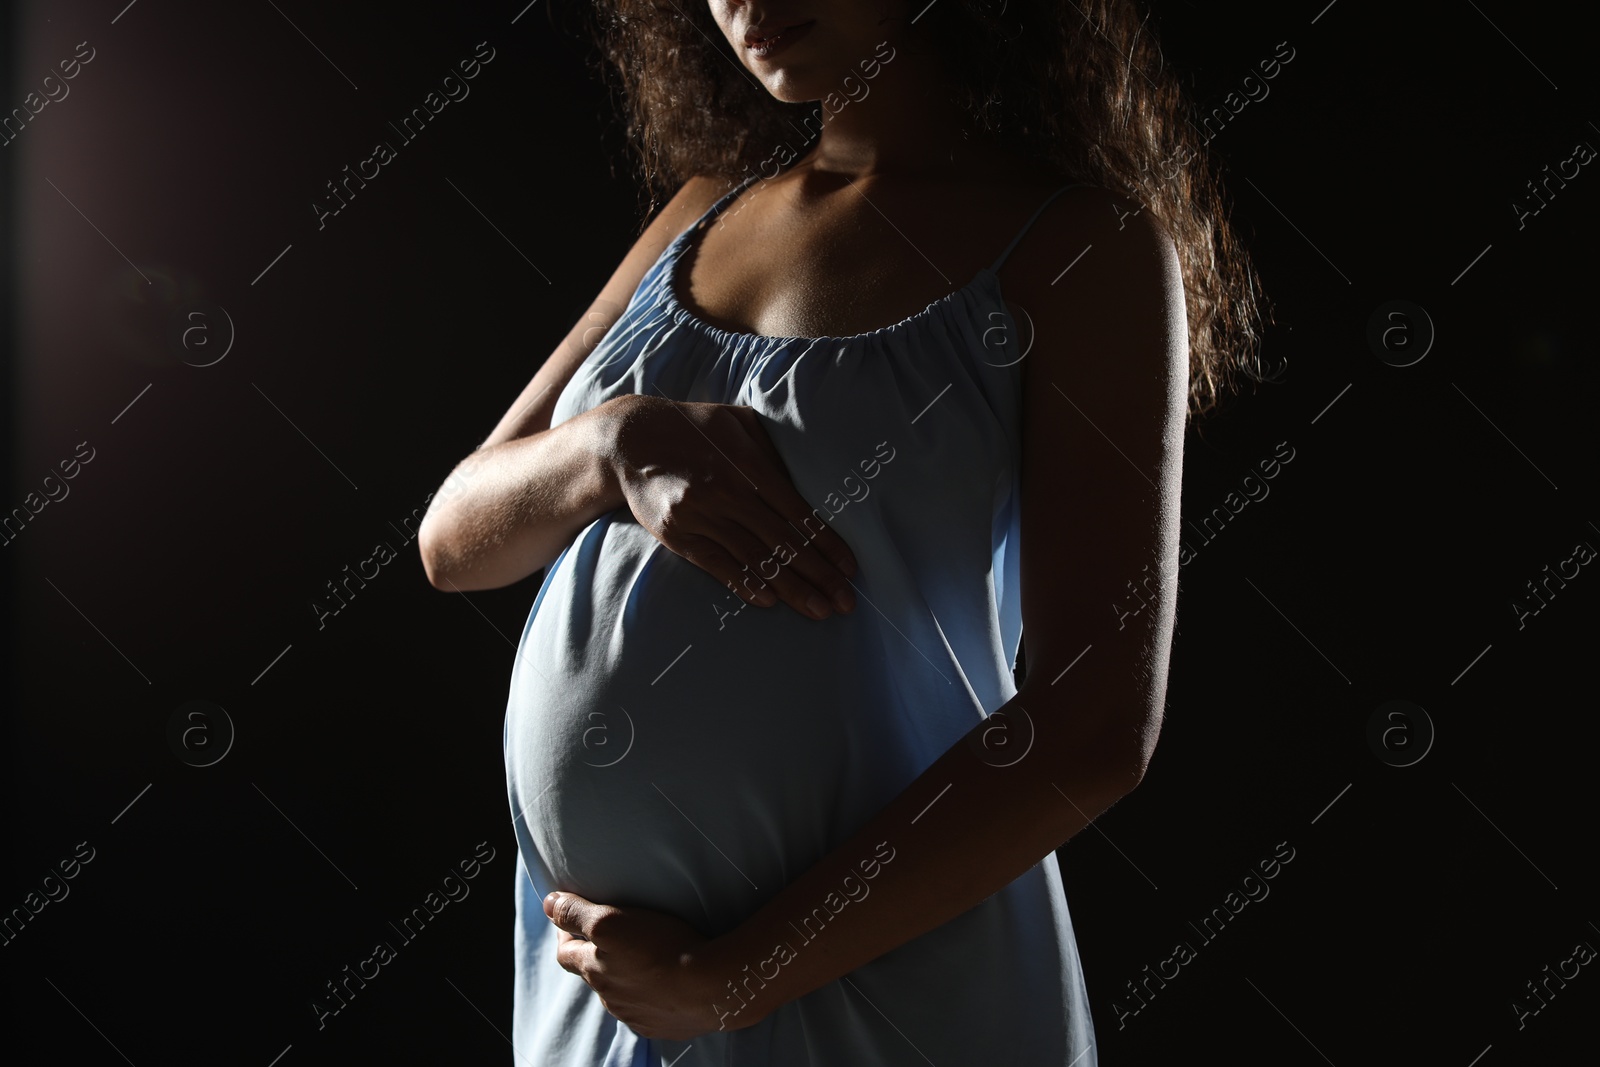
(1126, 774)
(435, 573)
(453, 565)
(1104, 783)
(435, 560)
(1106, 745)
(1133, 760)
(1124, 762)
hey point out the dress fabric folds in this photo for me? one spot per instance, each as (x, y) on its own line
(667, 748)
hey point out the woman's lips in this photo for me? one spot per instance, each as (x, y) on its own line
(766, 47)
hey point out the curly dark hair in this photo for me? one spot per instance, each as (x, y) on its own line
(1084, 91)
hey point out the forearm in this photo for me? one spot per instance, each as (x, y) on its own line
(961, 832)
(509, 508)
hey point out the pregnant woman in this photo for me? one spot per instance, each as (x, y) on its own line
(798, 493)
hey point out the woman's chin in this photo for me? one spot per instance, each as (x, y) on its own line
(797, 84)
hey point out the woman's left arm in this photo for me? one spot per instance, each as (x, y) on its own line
(1104, 395)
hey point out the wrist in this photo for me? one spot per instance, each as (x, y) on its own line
(609, 420)
(729, 983)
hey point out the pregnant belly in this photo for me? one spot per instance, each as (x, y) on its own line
(670, 749)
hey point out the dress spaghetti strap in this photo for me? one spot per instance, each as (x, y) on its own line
(995, 267)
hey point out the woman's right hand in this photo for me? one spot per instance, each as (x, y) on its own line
(706, 480)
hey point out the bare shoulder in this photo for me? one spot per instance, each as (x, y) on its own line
(1101, 283)
(693, 199)
(1100, 279)
(680, 211)
(1090, 241)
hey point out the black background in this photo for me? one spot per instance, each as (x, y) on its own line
(1382, 565)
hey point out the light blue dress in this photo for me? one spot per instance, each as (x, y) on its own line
(667, 749)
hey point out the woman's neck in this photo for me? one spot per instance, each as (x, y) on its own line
(906, 126)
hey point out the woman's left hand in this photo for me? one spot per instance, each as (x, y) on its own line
(651, 970)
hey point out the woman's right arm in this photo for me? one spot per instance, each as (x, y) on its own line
(510, 507)
(703, 478)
